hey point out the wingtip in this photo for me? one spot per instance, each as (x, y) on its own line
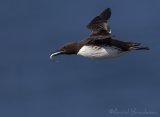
(107, 10)
(106, 14)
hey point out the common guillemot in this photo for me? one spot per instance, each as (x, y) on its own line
(100, 44)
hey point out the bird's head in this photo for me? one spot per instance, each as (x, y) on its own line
(71, 48)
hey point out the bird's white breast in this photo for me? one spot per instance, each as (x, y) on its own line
(98, 52)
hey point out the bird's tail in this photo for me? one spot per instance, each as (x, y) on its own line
(136, 46)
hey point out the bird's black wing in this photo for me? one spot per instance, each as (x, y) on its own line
(99, 25)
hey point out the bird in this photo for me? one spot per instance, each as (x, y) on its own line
(100, 44)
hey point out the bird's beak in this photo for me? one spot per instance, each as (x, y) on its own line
(55, 54)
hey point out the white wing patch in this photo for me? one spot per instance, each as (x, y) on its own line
(107, 28)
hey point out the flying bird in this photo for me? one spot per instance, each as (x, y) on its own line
(100, 44)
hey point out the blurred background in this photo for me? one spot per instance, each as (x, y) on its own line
(31, 85)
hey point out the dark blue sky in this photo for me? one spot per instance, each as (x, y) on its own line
(33, 86)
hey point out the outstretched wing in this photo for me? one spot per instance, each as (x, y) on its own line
(99, 25)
